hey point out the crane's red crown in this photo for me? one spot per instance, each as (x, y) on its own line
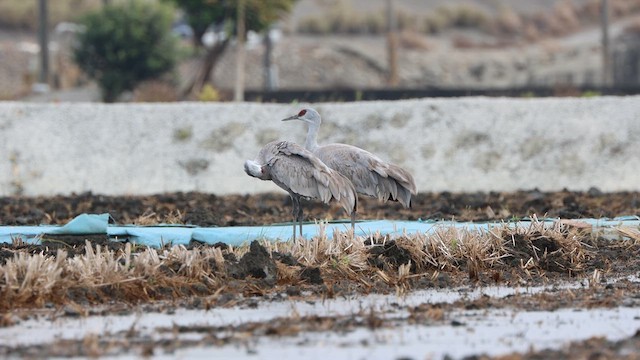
(302, 112)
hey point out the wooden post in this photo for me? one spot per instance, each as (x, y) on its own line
(240, 52)
(606, 58)
(43, 39)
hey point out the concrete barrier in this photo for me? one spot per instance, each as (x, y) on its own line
(465, 144)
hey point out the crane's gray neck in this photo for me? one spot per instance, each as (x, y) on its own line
(311, 143)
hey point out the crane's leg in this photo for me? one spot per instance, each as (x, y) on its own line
(353, 217)
(300, 217)
(353, 222)
(296, 204)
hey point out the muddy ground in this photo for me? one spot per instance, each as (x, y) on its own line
(258, 276)
(235, 210)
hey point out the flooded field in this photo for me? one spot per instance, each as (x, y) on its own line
(432, 323)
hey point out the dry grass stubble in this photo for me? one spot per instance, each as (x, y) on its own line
(448, 256)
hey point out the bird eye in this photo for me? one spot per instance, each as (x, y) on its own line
(302, 112)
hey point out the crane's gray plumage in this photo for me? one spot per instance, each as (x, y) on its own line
(369, 174)
(301, 174)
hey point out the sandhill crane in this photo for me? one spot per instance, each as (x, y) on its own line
(369, 174)
(301, 174)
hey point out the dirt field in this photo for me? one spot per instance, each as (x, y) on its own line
(605, 270)
(234, 210)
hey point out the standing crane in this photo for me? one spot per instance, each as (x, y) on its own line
(369, 174)
(302, 175)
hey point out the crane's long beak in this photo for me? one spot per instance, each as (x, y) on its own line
(294, 117)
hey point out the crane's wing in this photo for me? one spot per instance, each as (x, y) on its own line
(369, 174)
(298, 170)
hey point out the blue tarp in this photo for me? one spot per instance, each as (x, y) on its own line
(171, 234)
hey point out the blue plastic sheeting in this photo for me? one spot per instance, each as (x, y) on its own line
(170, 234)
(84, 224)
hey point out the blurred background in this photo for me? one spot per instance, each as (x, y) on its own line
(315, 50)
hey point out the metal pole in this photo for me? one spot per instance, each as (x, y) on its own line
(392, 44)
(606, 59)
(240, 32)
(43, 77)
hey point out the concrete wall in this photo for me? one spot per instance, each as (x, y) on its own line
(465, 144)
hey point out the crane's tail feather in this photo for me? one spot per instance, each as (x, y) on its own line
(391, 183)
(387, 189)
(397, 185)
(404, 197)
(403, 178)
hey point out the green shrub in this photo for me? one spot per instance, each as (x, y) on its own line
(124, 44)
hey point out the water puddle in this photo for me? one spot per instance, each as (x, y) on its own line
(460, 333)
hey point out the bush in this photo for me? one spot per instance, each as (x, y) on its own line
(375, 23)
(435, 22)
(508, 21)
(469, 16)
(406, 21)
(209, 93)
(125, 44)
(313, 25)
(458, 16)
(343, 19)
